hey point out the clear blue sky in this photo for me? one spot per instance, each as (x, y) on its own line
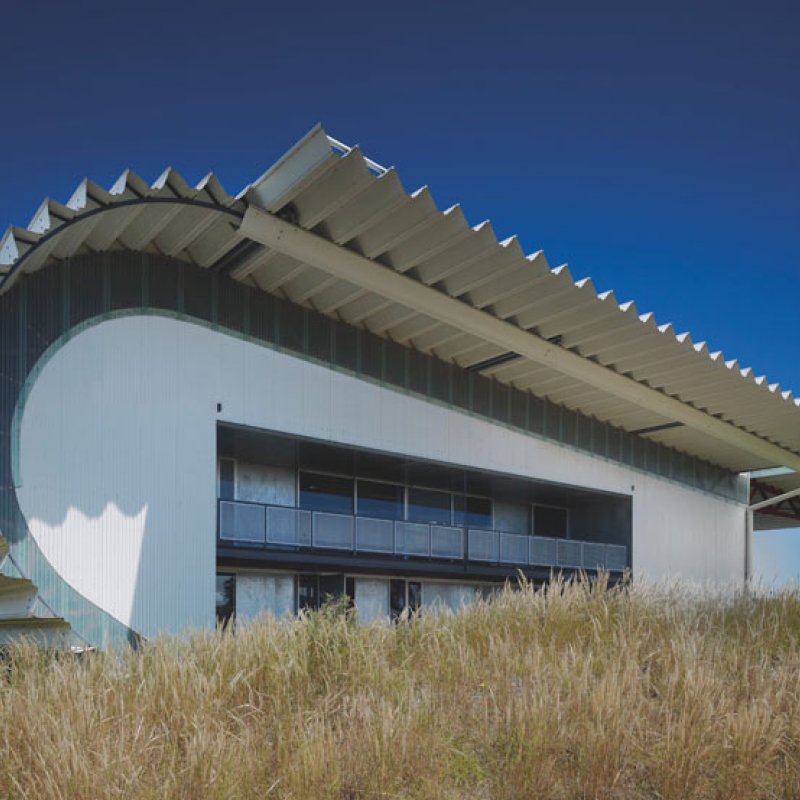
(655, 147)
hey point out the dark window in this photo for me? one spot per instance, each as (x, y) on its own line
(350, 591)
(380, 500)
(326, 493)
(226, 598)
(404, 595)
(427, 505)
(473, 512)
(307, 592)
(414, 595)
(548, 521)
(227, 477)
(397, 598)
(331, 588)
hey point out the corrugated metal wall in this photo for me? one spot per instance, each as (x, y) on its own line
(45, 309)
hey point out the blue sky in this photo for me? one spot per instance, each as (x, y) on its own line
(655, 147)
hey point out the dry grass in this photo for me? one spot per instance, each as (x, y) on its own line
(572, 692)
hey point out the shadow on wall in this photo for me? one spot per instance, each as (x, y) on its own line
(116, 478)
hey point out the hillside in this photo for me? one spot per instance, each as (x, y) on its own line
(568, 693)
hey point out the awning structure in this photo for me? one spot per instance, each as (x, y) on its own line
(765, 487)
(327, 228)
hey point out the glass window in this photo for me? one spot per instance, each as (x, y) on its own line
(331, 588)
(227, 479)
(397, 598)
(428, 505)
(329, 493)
(226, 598)
(414, 595)
(307, 592)
(380, 500)
(549, 521)
(473, 512)
(404, 595)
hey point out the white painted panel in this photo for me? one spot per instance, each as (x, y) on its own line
(264, 594)
(372, 599)
(259, 483)
(118, 462)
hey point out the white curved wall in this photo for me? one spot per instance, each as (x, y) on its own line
(118, 452)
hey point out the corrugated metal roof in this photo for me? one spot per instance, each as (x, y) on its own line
(340, 196)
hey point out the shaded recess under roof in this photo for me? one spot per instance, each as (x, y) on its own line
(339, 197)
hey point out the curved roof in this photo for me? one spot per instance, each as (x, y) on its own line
(328, 228)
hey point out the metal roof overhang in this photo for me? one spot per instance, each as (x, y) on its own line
(327, 228)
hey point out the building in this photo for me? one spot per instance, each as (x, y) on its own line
(324, 385)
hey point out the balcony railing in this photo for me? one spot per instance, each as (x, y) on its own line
(281, 526)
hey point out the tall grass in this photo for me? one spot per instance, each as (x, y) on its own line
(566, 692)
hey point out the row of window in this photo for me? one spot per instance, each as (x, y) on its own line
(338, 494)
(313, 591)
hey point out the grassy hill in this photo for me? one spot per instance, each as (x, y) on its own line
(571, 692)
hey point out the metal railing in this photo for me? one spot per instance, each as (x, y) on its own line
(281, 526)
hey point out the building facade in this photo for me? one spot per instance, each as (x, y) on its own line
(216, 406)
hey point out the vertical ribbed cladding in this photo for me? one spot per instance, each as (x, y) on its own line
(43, 308)
(38, 312)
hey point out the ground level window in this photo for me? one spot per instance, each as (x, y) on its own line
(314, 591)
(404, 595)
(226, 598)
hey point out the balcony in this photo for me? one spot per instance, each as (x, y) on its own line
(266, 526)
